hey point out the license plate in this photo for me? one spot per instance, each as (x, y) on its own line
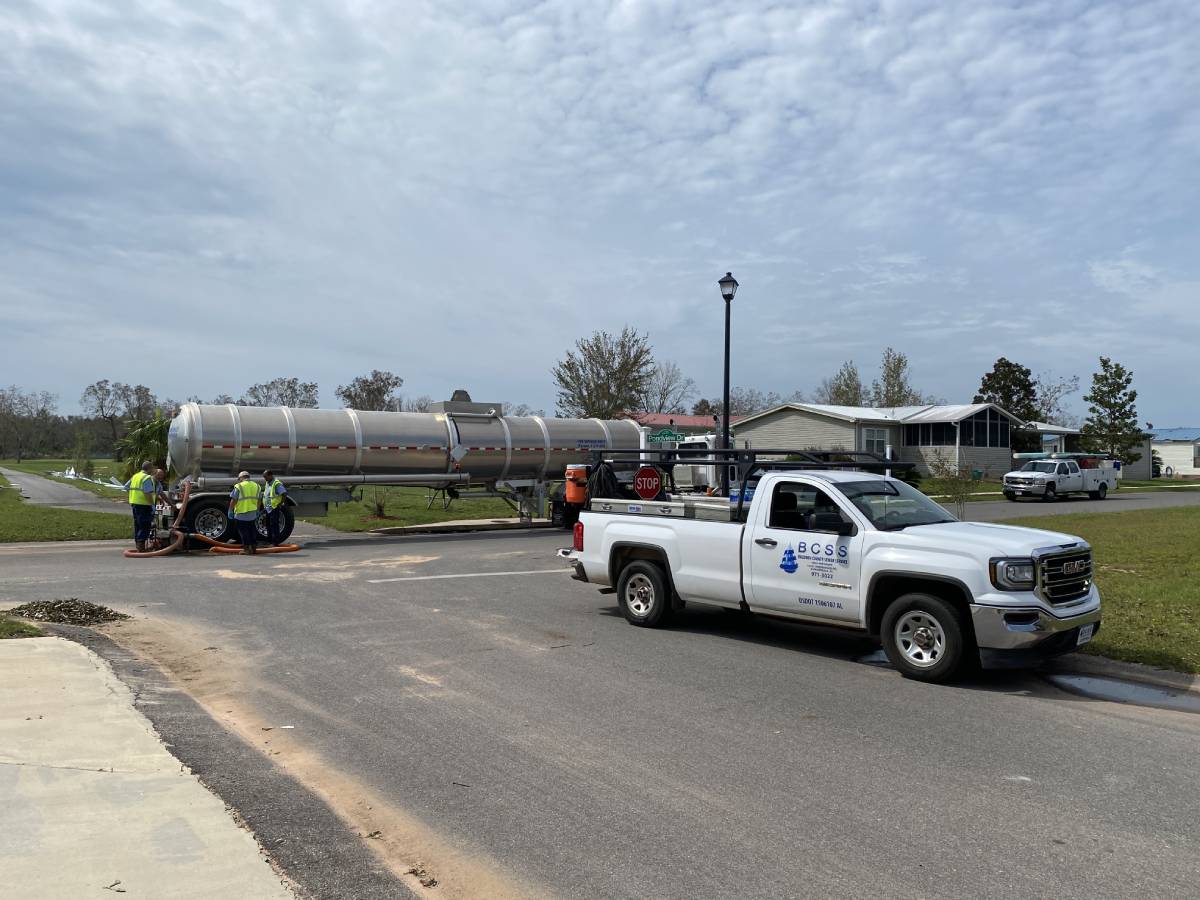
(1085, 634)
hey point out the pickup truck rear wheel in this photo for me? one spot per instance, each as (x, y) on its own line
(1100, 493)
(643, 595)
(925, 637)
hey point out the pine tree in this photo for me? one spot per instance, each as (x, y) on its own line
(1112, 423)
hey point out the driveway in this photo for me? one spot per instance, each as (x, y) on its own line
(46, 492)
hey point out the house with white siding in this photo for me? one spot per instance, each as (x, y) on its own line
(1179, 450)
(977, 435)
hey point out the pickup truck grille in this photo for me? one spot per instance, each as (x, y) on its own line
(1065, 577)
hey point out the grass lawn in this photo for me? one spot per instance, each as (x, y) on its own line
(43, 467)
(21, 521)
(406, 506)
(11, 628)
(1148, 572)
(1159, 484)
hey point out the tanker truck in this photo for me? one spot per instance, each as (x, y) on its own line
(321, 455)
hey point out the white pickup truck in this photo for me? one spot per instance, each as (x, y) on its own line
(1056, 477)
(850, 549)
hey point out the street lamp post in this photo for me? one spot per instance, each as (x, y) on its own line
(729, 287)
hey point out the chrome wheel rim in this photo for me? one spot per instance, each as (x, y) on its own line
(211, 523)
(920, 638)
(639, 595)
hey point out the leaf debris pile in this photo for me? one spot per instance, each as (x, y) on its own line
(71, 611)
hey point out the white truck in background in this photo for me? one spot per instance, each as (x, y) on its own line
(1053, 475)
(850, 549)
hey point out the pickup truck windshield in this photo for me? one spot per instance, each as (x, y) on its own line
(893, 505)
(1047, 467)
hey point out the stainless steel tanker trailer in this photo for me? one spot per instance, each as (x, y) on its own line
(322, 454)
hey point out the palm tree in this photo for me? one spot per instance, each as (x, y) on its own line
(145, 440)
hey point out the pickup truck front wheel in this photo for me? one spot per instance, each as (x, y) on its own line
(643, 595)
(924, 637)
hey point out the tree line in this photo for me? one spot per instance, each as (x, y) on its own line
(114, 412)
(611, 375)
(604, 376)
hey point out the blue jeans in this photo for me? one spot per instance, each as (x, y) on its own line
(248, 532)
(143, 520)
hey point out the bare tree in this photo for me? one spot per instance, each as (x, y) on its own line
(376, 391)
(26, 418)
(1051, 394)
(605, 376)
(744, 402)
(282, 392)
(100, 400)
(669, 390)
(522, 409)
(137, 401)
(417, 404)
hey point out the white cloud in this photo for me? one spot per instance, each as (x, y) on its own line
(453, 190)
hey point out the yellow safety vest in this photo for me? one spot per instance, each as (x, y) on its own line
(140, 485)
(247, 500)
(271, 495)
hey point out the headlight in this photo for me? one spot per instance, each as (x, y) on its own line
(1012, 574)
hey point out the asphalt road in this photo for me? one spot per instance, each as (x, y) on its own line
(46, 492)
(1119, 501)
(470, 682)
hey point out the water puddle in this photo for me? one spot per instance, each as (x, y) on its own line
(1127, 692)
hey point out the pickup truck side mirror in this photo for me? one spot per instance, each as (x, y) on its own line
(831, 521)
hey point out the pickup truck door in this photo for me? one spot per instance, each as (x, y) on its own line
(1074, 479)
(798, 563)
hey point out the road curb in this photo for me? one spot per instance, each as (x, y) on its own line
(1101, 667)
(324, 858)
(463, 525)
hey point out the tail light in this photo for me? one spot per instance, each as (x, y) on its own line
(579, 536)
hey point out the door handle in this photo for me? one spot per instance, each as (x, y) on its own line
(766, 542)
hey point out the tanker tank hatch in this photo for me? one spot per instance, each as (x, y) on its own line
(460, 403)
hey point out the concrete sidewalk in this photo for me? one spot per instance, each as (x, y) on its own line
(94, 804)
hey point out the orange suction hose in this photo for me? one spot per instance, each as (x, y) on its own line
(237, 548)
(180, 535)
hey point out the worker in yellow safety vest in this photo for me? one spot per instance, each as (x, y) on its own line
(142, 491)
(273, 504)
(245, 502)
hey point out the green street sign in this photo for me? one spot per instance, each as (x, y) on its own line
(664, 435)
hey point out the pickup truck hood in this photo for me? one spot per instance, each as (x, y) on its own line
(987, 538)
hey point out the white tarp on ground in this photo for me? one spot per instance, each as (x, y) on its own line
(72, 474)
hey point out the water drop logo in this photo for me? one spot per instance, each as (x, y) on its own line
(789, 564)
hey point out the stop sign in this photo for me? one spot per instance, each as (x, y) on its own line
(647, 482)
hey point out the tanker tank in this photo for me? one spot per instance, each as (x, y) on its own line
(338, 445)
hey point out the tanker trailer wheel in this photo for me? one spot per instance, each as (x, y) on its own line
(289, 522)
(211, 520)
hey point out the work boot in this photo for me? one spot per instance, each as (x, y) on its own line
(245, 551)
(253, 549)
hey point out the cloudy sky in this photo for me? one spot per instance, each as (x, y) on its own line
(204, 195)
